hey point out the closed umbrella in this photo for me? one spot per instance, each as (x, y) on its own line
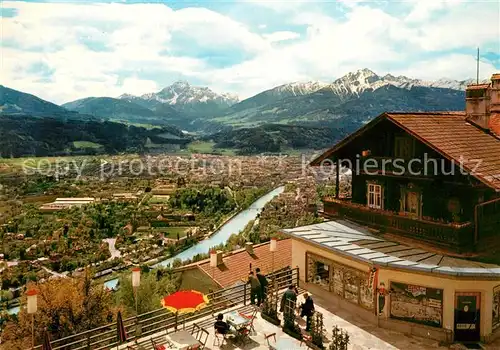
(46, 342)
(120, 328)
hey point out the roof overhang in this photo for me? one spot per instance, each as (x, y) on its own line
(330, 154)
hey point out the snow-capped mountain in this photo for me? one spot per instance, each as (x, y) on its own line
(297, 88)
(192, 100)
(348, 101)
(364, 79)
(181, 92)
(279, 93)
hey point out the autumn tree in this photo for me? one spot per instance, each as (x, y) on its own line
(65, 307)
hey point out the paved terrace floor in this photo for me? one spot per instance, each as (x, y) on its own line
(363, 335)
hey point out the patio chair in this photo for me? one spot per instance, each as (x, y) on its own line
(272, 335)
(251, 318)
(203, 337)
(219, 338)
(157, 346)
(244, 334)
(165, 346)
(195, 331)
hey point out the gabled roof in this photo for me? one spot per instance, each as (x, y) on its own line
(236, 265)
(449, 134)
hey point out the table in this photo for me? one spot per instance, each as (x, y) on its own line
(182, 339)
(234, 319)
(287, 344)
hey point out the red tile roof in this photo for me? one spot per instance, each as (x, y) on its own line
(449, 134)
(454, 138)
(478, 86)
(236, 266)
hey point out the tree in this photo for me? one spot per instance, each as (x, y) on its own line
(65, 306)
(149, 293)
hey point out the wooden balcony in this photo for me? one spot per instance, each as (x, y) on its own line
(457, 236)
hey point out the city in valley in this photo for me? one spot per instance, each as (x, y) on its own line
(212, 174)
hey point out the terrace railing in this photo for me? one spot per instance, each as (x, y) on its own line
(452, 235)
(159, 320)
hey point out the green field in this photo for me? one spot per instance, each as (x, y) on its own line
(208, 147)
(159, 199)
(171, 232)
(86, 144)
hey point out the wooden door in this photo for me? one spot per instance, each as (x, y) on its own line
(467, 316)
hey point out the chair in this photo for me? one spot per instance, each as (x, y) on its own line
(157, 346)
(267, 336)
(251, 319)
(219, 338)
(244, 334)
(203, 332)
(305, 338)
(195, 331)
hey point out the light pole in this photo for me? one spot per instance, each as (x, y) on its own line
(136, 282)
(213, 265)
(272, 249)
(32, 308)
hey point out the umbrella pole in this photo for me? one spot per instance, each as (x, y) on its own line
(176, 319)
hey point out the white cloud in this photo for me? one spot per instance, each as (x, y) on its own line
(454, 66)
(108, 49)
(281, 36)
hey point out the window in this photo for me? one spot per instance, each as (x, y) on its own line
(411, 201)
(416, 304)
(345, 282)
(403, 147)
(374, 196)
(318, 271)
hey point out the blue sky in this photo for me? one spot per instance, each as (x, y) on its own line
(64, 50)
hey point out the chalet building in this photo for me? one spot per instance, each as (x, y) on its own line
(425, 194)
(432, 176)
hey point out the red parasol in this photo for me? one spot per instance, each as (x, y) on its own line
(185, 301)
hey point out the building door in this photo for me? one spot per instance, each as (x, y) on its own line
(467, 317)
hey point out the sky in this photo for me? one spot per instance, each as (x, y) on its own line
(65, 50)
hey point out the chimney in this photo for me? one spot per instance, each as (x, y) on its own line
(215, 258)
(477, 105)
(494, 122)
(219, 257)
(249, 248)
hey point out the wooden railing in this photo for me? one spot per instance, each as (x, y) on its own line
(453, 235)
(159, 320)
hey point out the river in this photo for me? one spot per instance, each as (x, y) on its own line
(236, 224)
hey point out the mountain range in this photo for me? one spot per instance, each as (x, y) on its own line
(342, 105)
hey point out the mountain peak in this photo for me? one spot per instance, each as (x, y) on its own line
(181, 84)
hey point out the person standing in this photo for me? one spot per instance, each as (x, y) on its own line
(263, 284)
(307, 310)
(255, 289)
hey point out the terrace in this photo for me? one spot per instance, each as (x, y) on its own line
(157, 324)
(452, 235)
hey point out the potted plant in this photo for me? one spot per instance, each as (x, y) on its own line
(290, 327)
(317, 332)
(340, 339)
(270, 312)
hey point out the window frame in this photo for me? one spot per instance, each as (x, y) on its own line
(372, 203)
(404, 193)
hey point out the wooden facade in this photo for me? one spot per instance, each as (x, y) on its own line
(402, 183)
